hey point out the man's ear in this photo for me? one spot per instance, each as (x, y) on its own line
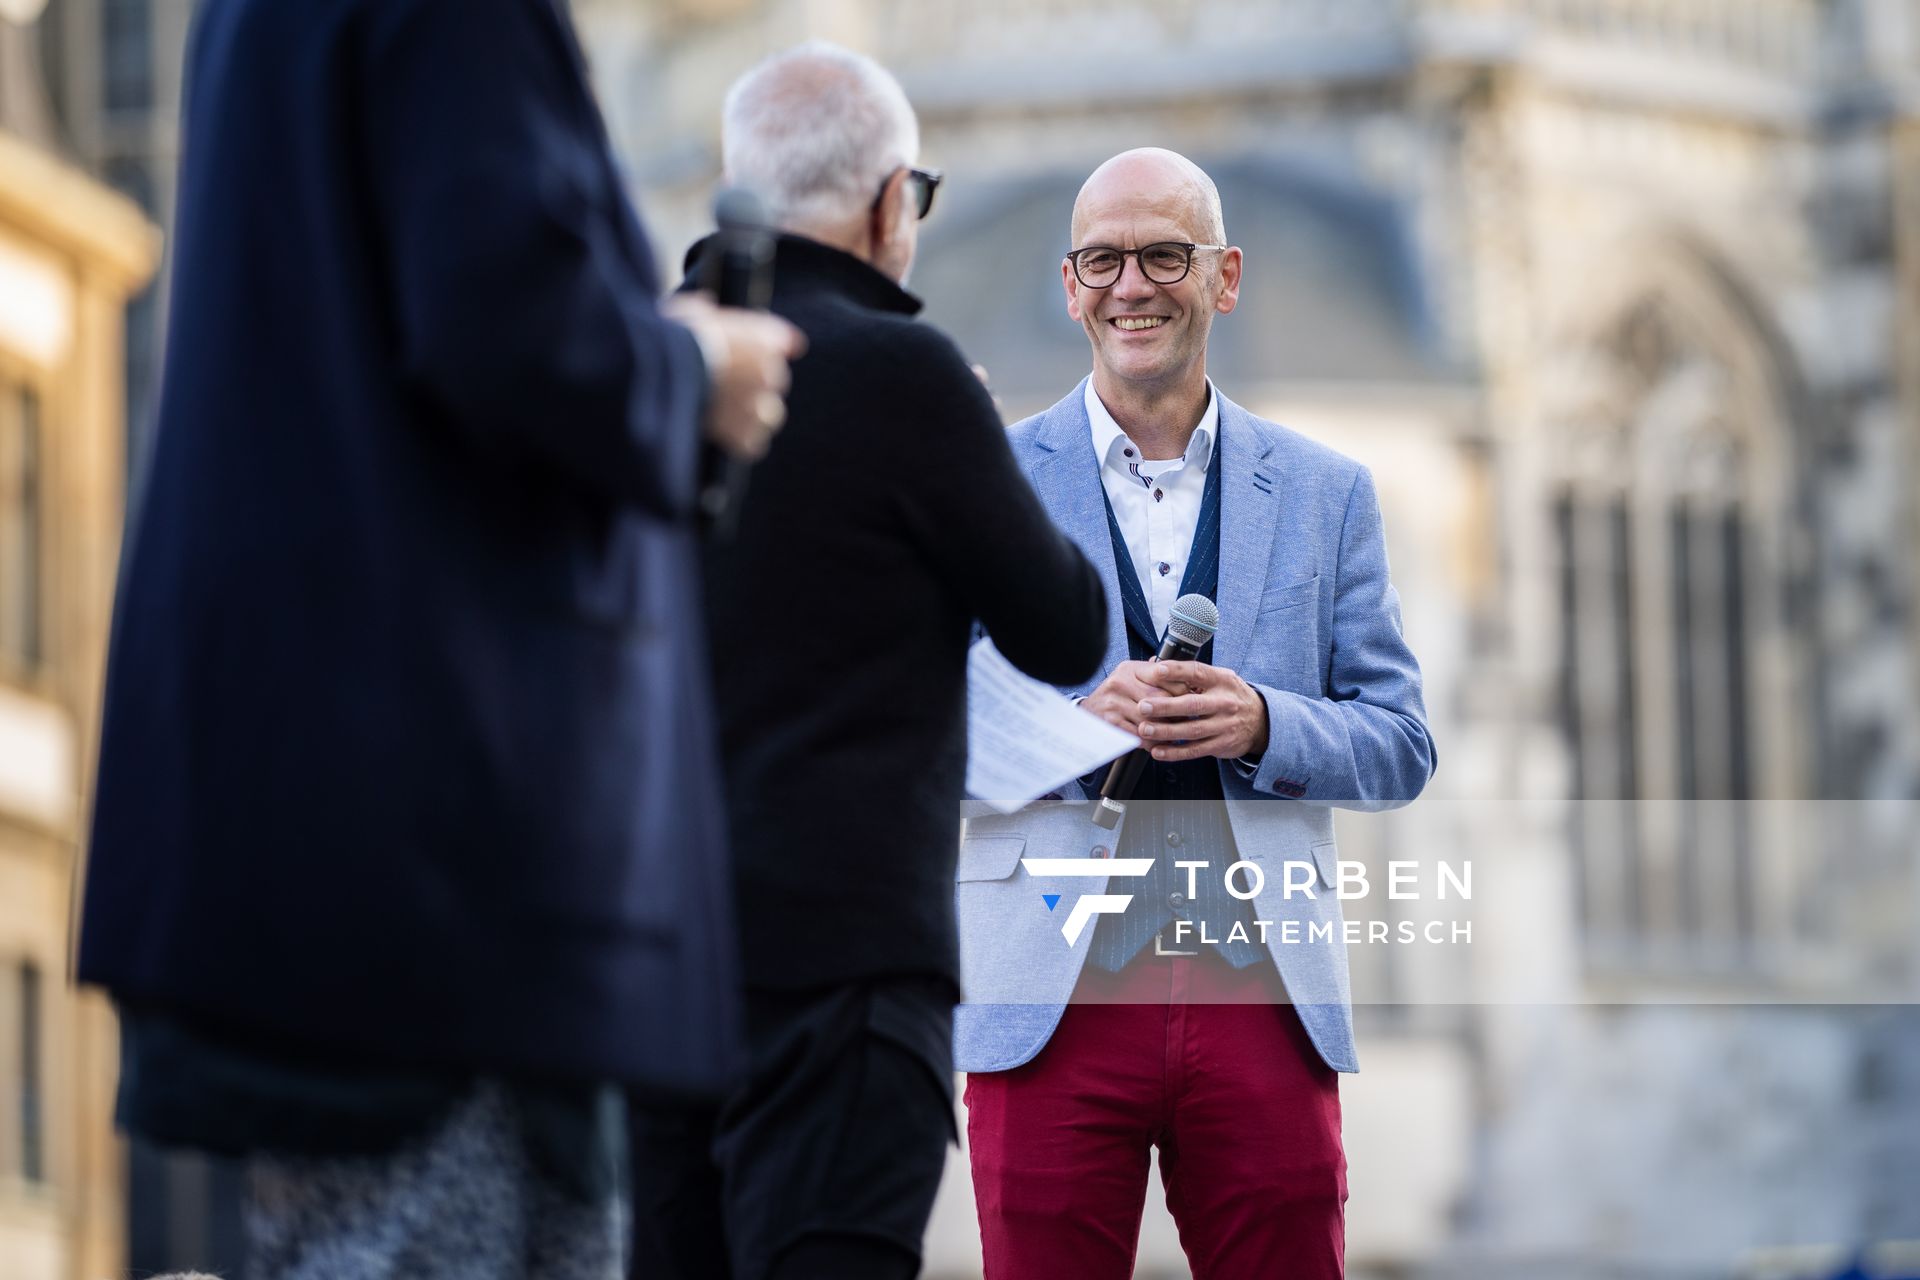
(884, 218)
(1072, 286)
(1231, 262)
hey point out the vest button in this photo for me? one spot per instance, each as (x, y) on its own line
(1101, 851)
(1173, 838)
(1176, 900)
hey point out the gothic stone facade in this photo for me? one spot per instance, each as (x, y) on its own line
(1618, 299)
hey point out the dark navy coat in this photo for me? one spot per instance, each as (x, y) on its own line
(407, 751)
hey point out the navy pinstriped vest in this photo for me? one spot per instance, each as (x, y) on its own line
(1177, 812)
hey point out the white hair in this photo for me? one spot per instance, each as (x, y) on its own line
(814, 132)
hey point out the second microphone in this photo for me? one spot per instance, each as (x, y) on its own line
(1195, 619)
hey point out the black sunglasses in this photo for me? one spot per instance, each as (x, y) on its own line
(924, 182)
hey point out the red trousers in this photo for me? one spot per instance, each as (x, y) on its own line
(1244, 1111)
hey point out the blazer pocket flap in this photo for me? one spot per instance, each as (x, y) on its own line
(1326, 856)
(990, 857)
(1274, 599)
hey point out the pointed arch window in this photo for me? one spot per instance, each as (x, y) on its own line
(1664, 521)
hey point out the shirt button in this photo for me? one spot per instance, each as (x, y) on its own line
(1157, 495)
(1176, 900)
(1165, 568)
(1173, 838)
(1128, 452)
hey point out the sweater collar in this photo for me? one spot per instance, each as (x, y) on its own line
(810, 265)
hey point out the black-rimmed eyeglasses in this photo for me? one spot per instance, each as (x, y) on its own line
(1098, 266)
(924, 183)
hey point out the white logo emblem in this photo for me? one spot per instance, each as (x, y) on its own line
(1092, 904)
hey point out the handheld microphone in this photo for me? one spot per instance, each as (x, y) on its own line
(1195, 619)
(738, 273)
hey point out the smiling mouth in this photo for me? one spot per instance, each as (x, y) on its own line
(1133, 324)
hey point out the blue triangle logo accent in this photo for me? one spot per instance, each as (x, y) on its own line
(1051, 899)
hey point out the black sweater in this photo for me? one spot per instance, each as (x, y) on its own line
(889, 515)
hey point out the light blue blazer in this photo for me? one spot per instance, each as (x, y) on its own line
(1307, 617)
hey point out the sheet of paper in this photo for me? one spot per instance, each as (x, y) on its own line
(1023, 738)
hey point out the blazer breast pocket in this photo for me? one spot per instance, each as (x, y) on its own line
(1286, 651)
(1291, 595)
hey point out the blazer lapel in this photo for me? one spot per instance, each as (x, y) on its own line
(1066, 475)
(1249, 512)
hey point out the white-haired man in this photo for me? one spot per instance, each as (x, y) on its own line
(891, 517)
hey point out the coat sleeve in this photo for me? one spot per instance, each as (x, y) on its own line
(1364, 745)
(973, 514)
(522, 298)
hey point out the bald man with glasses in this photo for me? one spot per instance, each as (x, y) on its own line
(1184, 1023)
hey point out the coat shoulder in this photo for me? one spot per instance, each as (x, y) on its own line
(1303, 458)
(1051, 424)
(848, 331)
(1022, 433)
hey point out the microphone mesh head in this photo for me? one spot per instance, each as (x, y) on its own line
(737, 208)
(1195, 619)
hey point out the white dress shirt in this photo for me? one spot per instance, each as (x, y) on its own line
(1157, 504)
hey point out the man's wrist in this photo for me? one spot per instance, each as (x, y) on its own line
(714, 348)
(1249, 760)
(696, 314)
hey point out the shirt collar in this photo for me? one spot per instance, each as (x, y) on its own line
(1110, 442)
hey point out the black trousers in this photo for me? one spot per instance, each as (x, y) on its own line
(823, 1164)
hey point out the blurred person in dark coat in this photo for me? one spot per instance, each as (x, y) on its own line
(890, 518)
(407, 849)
